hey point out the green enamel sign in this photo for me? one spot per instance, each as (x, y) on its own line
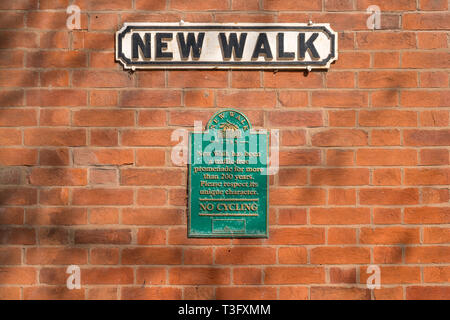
(228, 179)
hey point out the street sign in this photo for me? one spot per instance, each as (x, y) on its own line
(224, 46)
(228, 181)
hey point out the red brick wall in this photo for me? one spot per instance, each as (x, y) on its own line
(86, 176)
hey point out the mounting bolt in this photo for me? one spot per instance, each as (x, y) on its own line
(310, 23)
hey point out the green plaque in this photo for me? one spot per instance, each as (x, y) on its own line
(228, 180)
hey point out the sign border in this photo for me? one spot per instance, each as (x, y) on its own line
(323, 64)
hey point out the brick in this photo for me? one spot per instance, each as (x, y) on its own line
(247, 255)
(19, 5)
(199, 98)
(427, 21)
(103, 176)
(427, 254)
(385, 137)
(291, 216)
(427, 215)
(339, 99)
(198, 79)
(10, 256)
(343, 275)
(57, 97)
(60, 256)
(387, 216)
(425, 99)
(152, 275)
(104, 216)
(104, 137)
(57, 59)
(58, 177)
(340, 80)
(54, 39)
(10, 175)
(385, 98)
(10, 137)
(94, 276)
(18, 275)
(387, 79)
(198, 256)
(385, 40)
(390, 235)
(157, 177)
(293, 137)
(92, 41)
(197, 5)
(296, 235)
(106, 236)
(386, 5)
(292, 99)
(247, 293)
(18, 196)
(293, 177)
(17, 117)
(18, 39)
(24, 236)
(292, 255)
(247, 276)
(436, 274)
(155, 137)
(150, 98)
(388, 255)
(340, 137)
(435, 40)
(386, 177)
(156, 293)
(151, 256)
(341, 21)
(433, 5)
(153, 216)
(333, 216)
(10, 293)
(340, 177)
(103, 21)
(102, 60)
(12, 59)
(19, 78)
(53, 236)
(341, 196)
(178, 236)
(434, 118)
(152, 197)
(246, 99)
(293, 275)
(152, 236)
(187, 118)
(297, 196)
(386, 157)
(434, 195)
(340, 158)
(103, 98)
(102, 196)
(427, 137)
(386, 60)
(291, 5)
(341, 236)
(353, 59)
(18, 157)
(11, 215)
(292, 79)
(103, 118)
(152, 118)
(100, 79)
(387, 118)
(296, 118)
(428, 60)
(389, 196)
(342, 118)
(340, 255)
(436, 235)
(427, 293)
(51, 117)
(85, 157)
(427, 177)
(52, 293)
(56, 216)
(102, 294)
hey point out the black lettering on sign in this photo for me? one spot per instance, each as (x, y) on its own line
(307, 46)
(160, 45)
(281, 53)
(232, 45)
(262, 47)
(186, 46)
(137, 44)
